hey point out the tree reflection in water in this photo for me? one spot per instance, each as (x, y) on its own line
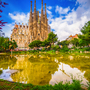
(7, 61)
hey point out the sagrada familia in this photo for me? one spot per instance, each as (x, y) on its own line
(37, 28)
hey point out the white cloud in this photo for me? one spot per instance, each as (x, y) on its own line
(61, 10)
(22, 18)
(83, 9)
(7, 29)
(72, 23)
(49, 7)
(49, 12)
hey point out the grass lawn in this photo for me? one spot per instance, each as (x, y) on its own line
(75, 85)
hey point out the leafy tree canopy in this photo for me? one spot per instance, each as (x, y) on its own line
(45, 43)
(52, 38)
(5, 44)
(65, 42)
(85, 33)
(35, 43)
(75, 41)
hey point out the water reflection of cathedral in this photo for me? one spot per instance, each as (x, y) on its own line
(36, 72)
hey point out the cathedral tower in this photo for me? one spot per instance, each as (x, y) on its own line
(30, 26)
(42, 19)
(34, 22)
(37, 28)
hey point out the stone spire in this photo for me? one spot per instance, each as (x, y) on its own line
(31, 13)
(35, 11)
(19, 25)
(42, 12)
(45, 15)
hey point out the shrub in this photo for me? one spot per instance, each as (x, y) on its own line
(65, 49)
(43, 49)
(56, 47)
(87, 49)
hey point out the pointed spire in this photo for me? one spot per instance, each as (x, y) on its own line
(30, 20)
(42, 12)
(45, 14)
(35, 10)
(26, 25)
(42, 3)
(22, 25)
(19, 25)
(31, 6)
(15, 23)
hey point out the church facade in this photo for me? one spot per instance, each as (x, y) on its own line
(37, 28)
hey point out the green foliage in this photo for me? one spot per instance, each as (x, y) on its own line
(56, 47)
(12, 44)
(75, 42)
(45, 43)
(2, 41)
(52, 38)
(64, 49)
(82, 42)
(75, 85)
(85, 34)
(5, 44)
(63, 43)
(35, 43)
(43, 49)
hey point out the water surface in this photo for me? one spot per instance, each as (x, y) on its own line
(45, 69)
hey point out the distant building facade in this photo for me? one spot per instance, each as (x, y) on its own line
(37, 28)
(72, 37)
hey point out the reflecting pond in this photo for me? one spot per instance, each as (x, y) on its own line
(45, 69)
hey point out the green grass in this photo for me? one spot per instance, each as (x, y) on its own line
(75, 85)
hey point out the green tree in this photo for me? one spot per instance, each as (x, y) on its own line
(45, 43)
(35, 43)
(5, 44)
(2, 39)
(52, 38)
(75, 42)
(85, 36)
(12, 44)
(64, 43)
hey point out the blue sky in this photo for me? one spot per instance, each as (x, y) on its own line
(66, 17)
